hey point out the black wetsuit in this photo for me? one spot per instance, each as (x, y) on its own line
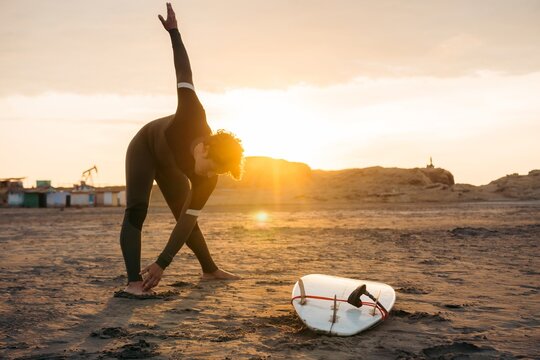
(163, 150)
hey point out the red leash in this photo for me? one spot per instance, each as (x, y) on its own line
(383, 312)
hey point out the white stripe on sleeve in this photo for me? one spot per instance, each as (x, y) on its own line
(193, 212)
(186, 85)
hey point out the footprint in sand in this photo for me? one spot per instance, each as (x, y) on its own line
(459, 350)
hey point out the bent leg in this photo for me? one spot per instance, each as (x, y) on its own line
(140, 173)
(197, 244)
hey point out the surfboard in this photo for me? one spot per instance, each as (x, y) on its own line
(340, 306)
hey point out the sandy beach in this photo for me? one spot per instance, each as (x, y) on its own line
(387, 141)
(467, 278)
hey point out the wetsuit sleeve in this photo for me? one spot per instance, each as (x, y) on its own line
(187, 120)
(184, 77)
(180, 234)
(181, 59)
(201, 192)
(189, 112)
(187, 221)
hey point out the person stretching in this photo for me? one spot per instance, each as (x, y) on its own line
(182, 154)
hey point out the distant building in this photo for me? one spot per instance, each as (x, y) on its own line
(43, 184)
(35, 199)
(83, 195)
(108, 196)
(83, 199)
(11, 183)
(83, 187)
(11, 188)
(59, 199)
(15, 199)
(13, 194)
(122, 198)
(430, 165)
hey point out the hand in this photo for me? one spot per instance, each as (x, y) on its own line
(153, 276)
(170, 23)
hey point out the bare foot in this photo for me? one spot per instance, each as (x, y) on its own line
(136, 288)
(219, 275)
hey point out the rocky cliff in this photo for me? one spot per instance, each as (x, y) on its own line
(273, 181)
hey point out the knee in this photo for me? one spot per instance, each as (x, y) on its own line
(135, 215)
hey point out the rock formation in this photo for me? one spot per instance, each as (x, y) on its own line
(274, 181)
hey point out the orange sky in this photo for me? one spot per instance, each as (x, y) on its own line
(333, 84)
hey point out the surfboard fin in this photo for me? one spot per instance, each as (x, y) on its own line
(335, 309)
(354, 298)
(376, 303)
(302, 292)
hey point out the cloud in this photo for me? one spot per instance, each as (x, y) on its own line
(98, 109)
(479, 126)
(120, 47)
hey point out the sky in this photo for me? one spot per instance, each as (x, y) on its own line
(333, 84)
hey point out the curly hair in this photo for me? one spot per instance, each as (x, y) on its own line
(226, 150)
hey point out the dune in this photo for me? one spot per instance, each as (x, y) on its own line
(276, 181)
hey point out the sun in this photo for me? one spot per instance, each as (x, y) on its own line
(261, 216)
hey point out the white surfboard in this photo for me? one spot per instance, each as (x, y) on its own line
(324, 307)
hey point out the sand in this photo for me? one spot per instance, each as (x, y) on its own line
(467, 278)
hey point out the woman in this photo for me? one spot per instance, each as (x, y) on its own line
(184, 157)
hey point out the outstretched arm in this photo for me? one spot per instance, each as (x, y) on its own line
(185, 223)
(153, 272)
(181, 59)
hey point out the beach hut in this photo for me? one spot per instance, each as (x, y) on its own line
(106, 198)
(15, 199)
(35, 199)
(82, 198)
(110, 198)
(10, 185)
(122, 198)
(100, 198)
(57, 199)
(82, 195)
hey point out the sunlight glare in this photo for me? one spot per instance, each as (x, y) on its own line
(261, 216)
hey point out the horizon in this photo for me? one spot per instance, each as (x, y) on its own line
(454, 80)
(32, 183)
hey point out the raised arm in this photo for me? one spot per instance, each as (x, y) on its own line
(181, 59)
